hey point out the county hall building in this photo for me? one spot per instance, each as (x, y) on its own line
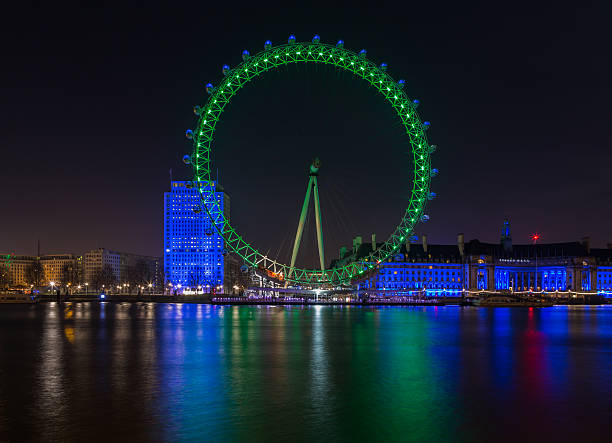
(449, 270)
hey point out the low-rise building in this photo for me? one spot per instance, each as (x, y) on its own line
(474, 266)
(100, 265)
(61, 269)
(16, 269)
(96, 260)
(106, 267)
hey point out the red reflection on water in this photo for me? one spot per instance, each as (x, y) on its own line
(534, 369)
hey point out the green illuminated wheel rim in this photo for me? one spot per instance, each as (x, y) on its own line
(315, 52)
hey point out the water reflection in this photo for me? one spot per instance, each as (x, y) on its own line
(319, 366)
(51, 400)
(80, 371)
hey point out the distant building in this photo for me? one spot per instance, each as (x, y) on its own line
(106, 267)
(61, 268)
(603, 262)
(416, 268)
(451, 269)
(74, 270)
(96, 260)
(194, 254)
(16, 267)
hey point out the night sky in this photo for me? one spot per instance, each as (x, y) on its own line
(95, 101)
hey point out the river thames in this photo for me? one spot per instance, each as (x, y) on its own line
(181, 372)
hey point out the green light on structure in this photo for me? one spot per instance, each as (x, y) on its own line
(276, 57)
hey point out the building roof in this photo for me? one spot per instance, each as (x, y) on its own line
(568, 249)
(602, 256)
(496, 250)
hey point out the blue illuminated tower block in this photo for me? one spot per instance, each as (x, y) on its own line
(194, 253)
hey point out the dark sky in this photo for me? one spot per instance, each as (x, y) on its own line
(95, 100)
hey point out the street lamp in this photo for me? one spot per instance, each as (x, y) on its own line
(86, 287)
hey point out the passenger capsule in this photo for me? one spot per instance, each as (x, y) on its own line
(340, 44)
(424, 217)
(414, 238)
(209, 232)
(291, 39)
(210, 88)
(316, 39)
(196, 210)
(189, 134)
(225, 69)
(244, 269)
(246, 55)
(432, 195)
(416, 102)
(432, 148)
(383, 66)
(434, 173)
(267, 45)
(197, 110)
(362, 53)
(401, 83)
(187, 159)
(426, 126)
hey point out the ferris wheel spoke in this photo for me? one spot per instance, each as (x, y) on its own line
(272, 58)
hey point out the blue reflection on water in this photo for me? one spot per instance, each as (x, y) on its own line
(185, 372)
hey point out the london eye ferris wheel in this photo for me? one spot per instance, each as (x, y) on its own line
(356, 63)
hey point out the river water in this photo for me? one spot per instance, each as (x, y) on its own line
(170, 372)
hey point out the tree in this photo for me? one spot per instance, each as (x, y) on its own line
(104, 278)
(160, 278)
(35, 274)
(70, 275)
(237, 276)
(195, 279)
(5, 276)
(138, 274)
(142, 273)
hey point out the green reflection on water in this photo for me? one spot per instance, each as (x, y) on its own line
(346, 373)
